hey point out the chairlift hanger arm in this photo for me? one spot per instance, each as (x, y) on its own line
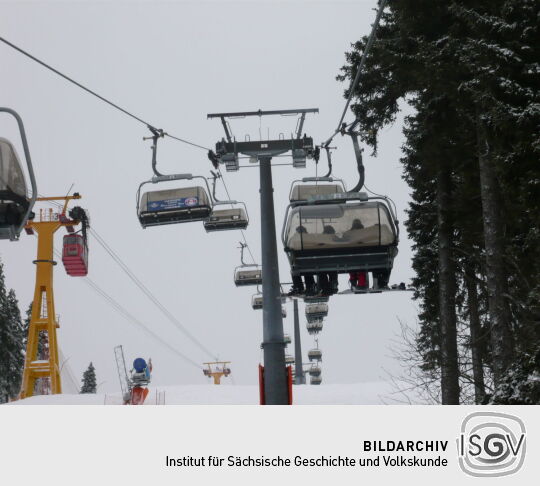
(226, 128)
(359, 162)
(242, 247)
(353, 85)
(329, 159)
(215, 177)
(300, 125)
(156, 134)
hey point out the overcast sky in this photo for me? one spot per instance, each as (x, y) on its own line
(171, 63)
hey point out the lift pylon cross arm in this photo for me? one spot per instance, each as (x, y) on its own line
(265, 148)
(241, 114)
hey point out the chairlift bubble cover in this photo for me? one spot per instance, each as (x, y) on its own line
(226, 219)
(14, 201)
(302, 192)
(257, 302)
(341, 237)
(248, 277)
(167, 199)
(174, 206)
(314, 327)
(315, 370)
(11, 173)
(315, 380)
(339, 226)
(317, 309)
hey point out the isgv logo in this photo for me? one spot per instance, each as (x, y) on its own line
(491, 444)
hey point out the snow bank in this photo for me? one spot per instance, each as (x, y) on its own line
(374, 393)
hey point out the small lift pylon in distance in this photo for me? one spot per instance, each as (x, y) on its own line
(217, 369)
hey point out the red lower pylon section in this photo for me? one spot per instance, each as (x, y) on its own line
(262, 397)
(138, 395)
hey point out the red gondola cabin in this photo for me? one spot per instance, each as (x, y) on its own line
(75, 256)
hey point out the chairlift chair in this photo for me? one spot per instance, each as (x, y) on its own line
(257, 302)
(15, 204)
(287, 339)
(289, 359)
(340, 233)
(315, 380)
(234, 218)
(315, 354)
(314, 327)
(314, 370)
(316, 312)
(170, 206)
(247, 274)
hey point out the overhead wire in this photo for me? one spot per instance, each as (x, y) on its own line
(114, 105)
(93, 93)
(369, 43)
(129, 317)
(68, 371)
(241, 231)
(148, 293)
(148, 125)
(174, 137)
(98, 238)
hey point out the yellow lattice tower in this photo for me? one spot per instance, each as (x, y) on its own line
(43, 318)
(217, 372)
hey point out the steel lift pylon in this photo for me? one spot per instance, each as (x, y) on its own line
(43, 318)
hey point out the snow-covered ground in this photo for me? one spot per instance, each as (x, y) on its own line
(374, 393)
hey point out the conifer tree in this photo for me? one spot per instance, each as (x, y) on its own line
(89, 384)
(11, 342)
(469, 70)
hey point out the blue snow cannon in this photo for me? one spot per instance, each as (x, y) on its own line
(139, 365)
